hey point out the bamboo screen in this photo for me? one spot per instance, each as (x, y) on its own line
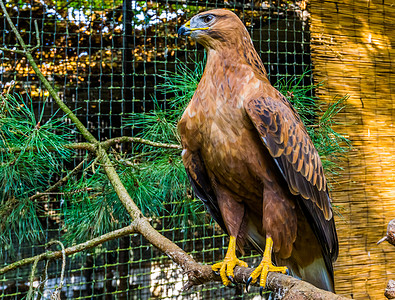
(352, 44)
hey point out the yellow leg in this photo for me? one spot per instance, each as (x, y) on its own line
(226, 267)
(265, 267)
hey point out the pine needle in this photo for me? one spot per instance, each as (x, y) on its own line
(28, 163)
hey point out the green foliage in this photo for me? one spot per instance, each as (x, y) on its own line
(158, 125)
(157, 184)
(27, 155)
(182, 84)
(91, 207)
(318, 119)
(154, 177)
(19, 223)
(31, 153)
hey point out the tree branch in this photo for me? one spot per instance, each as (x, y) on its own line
(12, 50)
(58, 183)
(71, 250)
(390, 235)
(390, 290)
(38, 42)
(105, 144)
(128, 139)
(286, 286)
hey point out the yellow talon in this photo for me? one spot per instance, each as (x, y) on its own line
(265, 266)
(226, 267)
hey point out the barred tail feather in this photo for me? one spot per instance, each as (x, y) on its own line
(318, 274)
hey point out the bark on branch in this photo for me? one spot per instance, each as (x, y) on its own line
(390, 236)
(288, 287)
(105, 144)
(71, 250)
(130, 139)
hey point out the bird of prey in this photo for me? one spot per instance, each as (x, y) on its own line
(250, 160)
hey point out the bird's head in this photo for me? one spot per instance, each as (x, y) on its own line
(215, 28)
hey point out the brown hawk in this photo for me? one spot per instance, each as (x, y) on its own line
(251, 161)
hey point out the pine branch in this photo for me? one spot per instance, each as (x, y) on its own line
(12, 50)
(27, 52)
(105, 144)
(101, 153)
(73, 146)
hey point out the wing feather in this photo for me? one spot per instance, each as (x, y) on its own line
(197, 174)
(286, 139)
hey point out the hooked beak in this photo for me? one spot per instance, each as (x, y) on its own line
(185, 29)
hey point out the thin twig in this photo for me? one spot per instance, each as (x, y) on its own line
(77, 191)
(92, 166)
(123, 162)
(142, 154)
(56, 293)
(40, 289)
(30, 294)
(105, 144)
(67, 177)
(59, 183)
(38, 44)
(12, 50)
(129, 139)
(81, 146)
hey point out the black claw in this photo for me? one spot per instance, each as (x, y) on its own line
(232, 280)
(248, 283)
(216, 273)
(261, 291)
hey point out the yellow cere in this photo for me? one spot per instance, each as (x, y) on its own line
(188, 25)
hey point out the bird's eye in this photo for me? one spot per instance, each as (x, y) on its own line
(208, 18)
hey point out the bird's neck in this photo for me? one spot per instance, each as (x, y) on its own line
(237, 49)
(235, 56)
